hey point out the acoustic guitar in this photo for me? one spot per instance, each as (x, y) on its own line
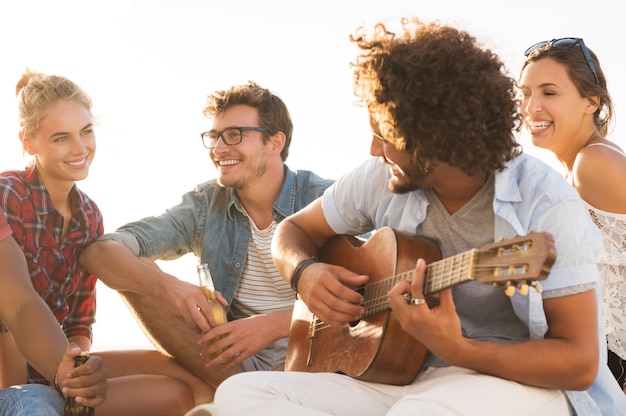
(376, 348)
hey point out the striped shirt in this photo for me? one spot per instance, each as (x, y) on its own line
(261, 289)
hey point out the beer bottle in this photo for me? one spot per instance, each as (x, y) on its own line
(208, 289)
(71, 407)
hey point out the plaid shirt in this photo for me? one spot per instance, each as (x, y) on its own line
(52, 261)
(5, 228)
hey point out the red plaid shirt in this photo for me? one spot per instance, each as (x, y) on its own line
(5, 228)
(52, 261)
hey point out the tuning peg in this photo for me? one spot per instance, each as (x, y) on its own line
(523, 288)
(537, 287)
(509, 290)
(511, 238)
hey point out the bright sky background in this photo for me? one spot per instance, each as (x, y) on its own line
(149, 64)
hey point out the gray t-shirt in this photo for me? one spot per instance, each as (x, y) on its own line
(491, 318)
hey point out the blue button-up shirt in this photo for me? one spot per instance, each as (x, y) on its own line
(209, 222)
(529, 196)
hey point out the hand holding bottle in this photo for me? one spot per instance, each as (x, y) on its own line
(86, 385)
(72, 408)
(208, 290)
(219, 313)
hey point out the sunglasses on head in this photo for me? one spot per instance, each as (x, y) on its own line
(567, 43)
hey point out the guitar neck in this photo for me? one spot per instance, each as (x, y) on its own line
(439, 275)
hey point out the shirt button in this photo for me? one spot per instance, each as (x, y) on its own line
(237, 265)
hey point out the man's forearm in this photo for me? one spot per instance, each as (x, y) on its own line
(119, 268)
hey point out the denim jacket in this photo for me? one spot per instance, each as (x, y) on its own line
(529, 196)
(209, 222)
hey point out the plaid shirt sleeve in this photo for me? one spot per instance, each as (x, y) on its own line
(82, 301)
(82, 308)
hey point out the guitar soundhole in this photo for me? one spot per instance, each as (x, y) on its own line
(361, 290)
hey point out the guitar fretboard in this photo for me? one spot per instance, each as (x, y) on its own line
(440, 275)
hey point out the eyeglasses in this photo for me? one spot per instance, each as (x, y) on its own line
(230, 136)
(380, 137)
(567, 43)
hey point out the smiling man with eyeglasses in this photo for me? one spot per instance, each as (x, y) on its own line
(230, 136)
(227, 223)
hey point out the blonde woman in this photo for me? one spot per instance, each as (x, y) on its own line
(53, 221)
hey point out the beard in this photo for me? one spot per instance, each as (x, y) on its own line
(253, 168)
(414, 178)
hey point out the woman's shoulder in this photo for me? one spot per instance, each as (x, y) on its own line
(599, 174)
(14, 182)
(599, 160)
(12, 175)
(605, 147)
(600, 153)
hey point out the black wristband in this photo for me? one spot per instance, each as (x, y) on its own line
(295, 277)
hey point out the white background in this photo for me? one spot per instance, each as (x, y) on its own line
(148, 66)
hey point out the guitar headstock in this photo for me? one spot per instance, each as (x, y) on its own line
(516, 263)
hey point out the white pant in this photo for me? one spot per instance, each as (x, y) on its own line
(438, 391)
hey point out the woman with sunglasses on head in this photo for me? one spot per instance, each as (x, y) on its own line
(53, 222)
(567, 109)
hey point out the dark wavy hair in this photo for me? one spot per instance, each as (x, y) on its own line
(273, 112)
(438, 96)
(581, 75)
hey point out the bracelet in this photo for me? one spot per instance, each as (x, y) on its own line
(295, 277)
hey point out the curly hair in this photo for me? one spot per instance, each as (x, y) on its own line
(37, 92)
(581, 75)
(438, 96)
(273, 113)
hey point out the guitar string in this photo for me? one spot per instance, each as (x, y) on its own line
(449, 274)
(378, 302)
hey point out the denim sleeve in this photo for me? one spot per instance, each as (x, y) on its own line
(170, 235)
(126, 238)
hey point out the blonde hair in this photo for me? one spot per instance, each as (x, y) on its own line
(37, 92)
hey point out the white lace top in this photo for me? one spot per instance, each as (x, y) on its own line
(612, 266)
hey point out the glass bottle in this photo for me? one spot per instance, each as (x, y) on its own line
(208, 289)
(71, 407)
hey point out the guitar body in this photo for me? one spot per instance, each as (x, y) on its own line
(375, 348)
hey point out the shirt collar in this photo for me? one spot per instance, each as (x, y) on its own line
(284, 205)
(41, 198)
